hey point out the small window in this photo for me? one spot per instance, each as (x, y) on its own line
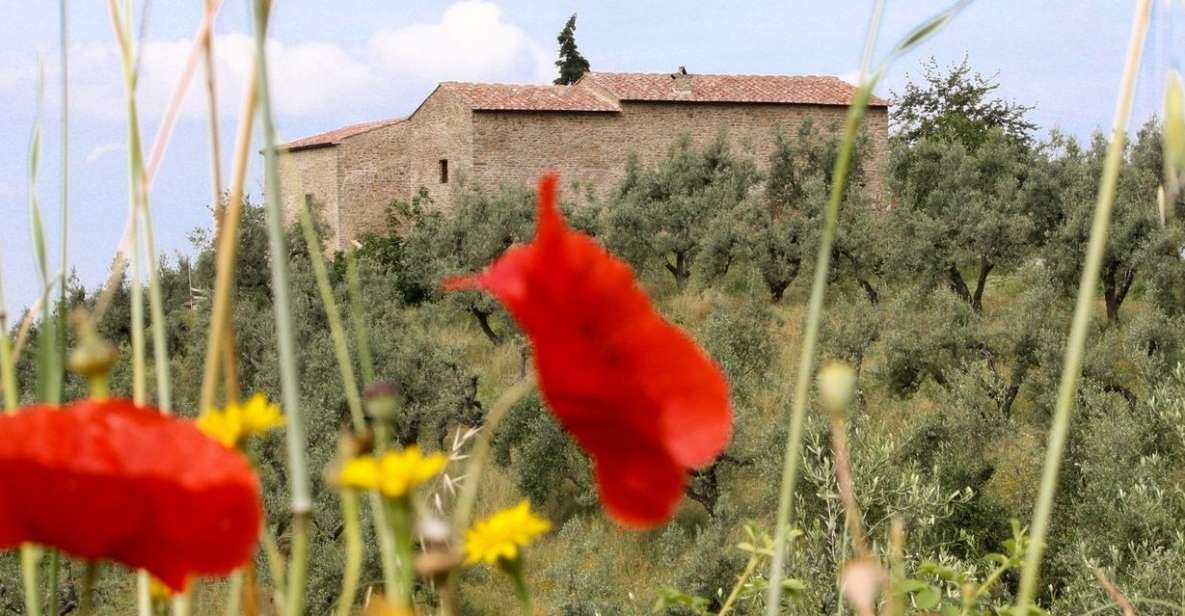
(444, 171)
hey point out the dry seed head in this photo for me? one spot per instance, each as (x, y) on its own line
(837, 387)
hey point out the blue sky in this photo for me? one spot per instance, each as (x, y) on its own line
(346, 61)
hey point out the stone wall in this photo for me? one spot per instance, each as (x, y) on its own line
(591, 149)
(393, 162)
(357, 179)
(311, 173)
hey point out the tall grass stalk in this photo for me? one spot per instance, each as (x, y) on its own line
(227, 241)
(1087, 286)
(337, 331)
(814, 312)
(47, 339)
(386, 538)
(143, 218)
(855, 115)
(349, 498)
(63, 264)
(297, 443)
(49, 362)
(121, 24)
(229, 364)
(121, 262)
(358, 318)
(59, 376)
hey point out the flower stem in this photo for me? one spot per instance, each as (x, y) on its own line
(234, 593)
(463, 512)
(275, 563)
(86, 601)
(353, 538)
(358, 318)
(30, 556)
(386, 537)
(1072, 365)
(740, 583)
(302, 502)
(298, 564)
(227, 240)
(336, 330)
(402, 527)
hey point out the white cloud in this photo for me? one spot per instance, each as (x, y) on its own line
(98, 152)
(471, 42)
(7, 189)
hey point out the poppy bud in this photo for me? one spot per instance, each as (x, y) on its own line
(436, 564)
(382, 400)
(837, 387)
(862, 579)
(94, 358)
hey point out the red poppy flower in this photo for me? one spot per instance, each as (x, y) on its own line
(636, 392)
(108, 480)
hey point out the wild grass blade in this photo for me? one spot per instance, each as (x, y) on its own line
(811, 327)
(297, 442)
(358, 319)
(227, 241)
(337, 331)
(1087, 286)
(818, 286)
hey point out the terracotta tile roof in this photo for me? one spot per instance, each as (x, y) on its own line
(504, 97)
(787, 89)
(335, 136)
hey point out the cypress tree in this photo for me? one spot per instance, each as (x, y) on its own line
(572, 65)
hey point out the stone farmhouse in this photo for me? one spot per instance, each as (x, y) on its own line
(488, 134)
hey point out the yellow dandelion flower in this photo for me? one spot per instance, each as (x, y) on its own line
(226, 427)
(401, 471)
(260, 416)
(396, 474)
(232, 424)
(360, 473)
(500, 536)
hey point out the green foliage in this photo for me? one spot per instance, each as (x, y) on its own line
(1137, 241)
(572, 65)
(666, 213)
(956, 384)
(959, 210)
(955, 107)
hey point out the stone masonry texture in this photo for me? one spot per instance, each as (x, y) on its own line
(492, 135)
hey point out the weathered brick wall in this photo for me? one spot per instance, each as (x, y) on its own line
(591, 149)
(311, 172)
(393, 162)
(357, 179)
(373, 173)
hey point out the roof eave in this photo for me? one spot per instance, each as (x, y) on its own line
(307, 146)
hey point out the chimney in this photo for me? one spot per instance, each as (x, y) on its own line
(681, 81)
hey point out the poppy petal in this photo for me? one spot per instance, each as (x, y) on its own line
(109, 480)
(608, 363)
